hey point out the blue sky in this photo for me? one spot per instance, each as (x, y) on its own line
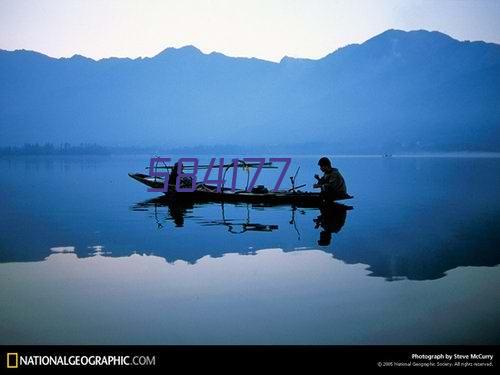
(267, 29)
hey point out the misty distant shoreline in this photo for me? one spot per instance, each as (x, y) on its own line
(66, 149)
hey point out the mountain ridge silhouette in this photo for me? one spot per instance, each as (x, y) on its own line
(416, 90)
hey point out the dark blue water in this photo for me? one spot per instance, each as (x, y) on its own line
(419, 243)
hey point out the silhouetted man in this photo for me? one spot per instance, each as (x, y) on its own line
(173, 177)
(332, 183)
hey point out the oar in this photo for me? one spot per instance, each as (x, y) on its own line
(297, 187)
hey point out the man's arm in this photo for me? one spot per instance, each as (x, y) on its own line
(316, 185)
(328, 182)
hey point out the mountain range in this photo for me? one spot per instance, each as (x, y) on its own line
(416, 90)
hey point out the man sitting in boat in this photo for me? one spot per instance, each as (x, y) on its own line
(172, 179)
(332, 183)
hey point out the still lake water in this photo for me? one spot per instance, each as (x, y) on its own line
(87, 256)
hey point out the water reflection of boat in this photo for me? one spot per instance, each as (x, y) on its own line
(318, 232)
(331, 217)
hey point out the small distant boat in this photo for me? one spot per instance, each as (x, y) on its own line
(258, 195)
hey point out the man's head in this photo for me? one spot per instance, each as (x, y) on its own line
(324, 164)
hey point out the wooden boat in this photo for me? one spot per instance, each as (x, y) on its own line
(208, 193)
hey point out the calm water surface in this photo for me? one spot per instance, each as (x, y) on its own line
(88, 256)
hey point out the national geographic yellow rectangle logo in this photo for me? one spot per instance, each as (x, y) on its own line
(12, 360)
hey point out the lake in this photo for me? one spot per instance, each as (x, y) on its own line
(88, 256)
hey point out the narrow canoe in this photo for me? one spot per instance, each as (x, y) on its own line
(208, 193)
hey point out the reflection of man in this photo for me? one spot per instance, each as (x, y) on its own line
(332, 183)
(177, 213)
(331, 220)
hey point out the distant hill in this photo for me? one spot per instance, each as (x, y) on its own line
(415, 90)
